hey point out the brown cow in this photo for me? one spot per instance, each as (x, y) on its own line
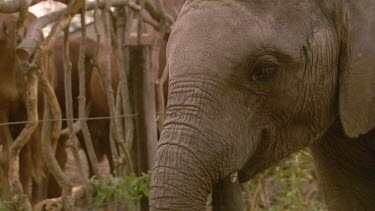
(13, 109)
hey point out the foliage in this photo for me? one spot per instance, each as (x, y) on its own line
(128, 189)
(289, 186)
(6, 205)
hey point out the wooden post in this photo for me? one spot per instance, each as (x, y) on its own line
(143, 96)
(143, 93)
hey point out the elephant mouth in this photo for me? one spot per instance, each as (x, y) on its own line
(246, 175)
(252, 166)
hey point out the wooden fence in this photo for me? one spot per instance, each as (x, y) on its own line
(127, 67)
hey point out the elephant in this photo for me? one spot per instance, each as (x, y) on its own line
(253, 81)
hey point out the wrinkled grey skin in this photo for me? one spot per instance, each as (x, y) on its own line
(252, 81)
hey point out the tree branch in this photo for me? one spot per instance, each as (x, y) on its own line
(78, 193)
(14, 5)
(21, 200)
(34, 35)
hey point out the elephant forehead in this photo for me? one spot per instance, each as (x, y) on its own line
(216, 34)
(222, 34)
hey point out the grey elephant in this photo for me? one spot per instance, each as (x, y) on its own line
(253, 81)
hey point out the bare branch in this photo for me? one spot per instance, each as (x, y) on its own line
(82, 101)
(76, 129)
(159, 14)
(53, 105)
(108, 81)
(21, 200)
(78, 193)
(14, 5)
(117, 160)
(72, 128)
(35, 33)
(123, 62)
(50, 138)
(155, 69)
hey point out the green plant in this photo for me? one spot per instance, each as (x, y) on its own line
(291, 185)
(6, 205)
(128, 189)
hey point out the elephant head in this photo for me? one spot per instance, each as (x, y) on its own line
(252, 82)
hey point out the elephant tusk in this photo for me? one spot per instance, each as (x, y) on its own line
(234, 177)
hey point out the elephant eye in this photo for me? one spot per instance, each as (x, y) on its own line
(264, 72)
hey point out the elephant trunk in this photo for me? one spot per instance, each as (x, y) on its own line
(184, 171)
(179, 180)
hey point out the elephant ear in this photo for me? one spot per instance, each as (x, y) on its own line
(357, 71)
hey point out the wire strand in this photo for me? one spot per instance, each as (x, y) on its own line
(67, 119)
(74, 119)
